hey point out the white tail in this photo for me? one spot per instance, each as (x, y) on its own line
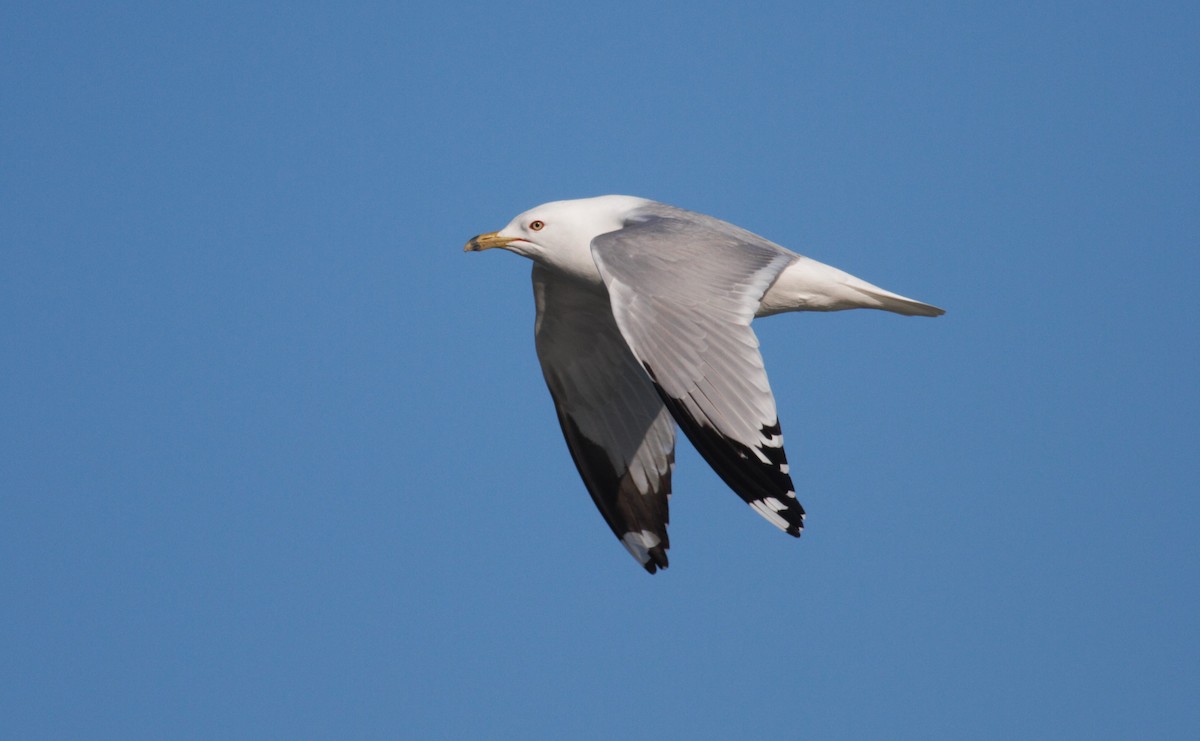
(894, 302)
(808, 285)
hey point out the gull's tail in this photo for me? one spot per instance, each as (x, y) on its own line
(808, 285)
(877, 298)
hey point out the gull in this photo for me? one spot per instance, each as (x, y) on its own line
(643, 322)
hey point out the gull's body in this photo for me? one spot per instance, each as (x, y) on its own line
(643, 321)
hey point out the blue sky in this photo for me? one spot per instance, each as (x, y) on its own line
(278, 461)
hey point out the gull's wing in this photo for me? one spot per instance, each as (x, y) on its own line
(684, 288)
(621, 436)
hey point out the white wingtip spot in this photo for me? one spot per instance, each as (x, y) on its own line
(791, 494)
(769, 514)
(785, 468)
(639, 544)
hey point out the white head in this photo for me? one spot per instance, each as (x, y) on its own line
(559, 234)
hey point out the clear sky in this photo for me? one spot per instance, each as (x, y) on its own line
(277, 460)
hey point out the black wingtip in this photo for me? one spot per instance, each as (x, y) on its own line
(658, 555)
(658, 559)
(765, 486)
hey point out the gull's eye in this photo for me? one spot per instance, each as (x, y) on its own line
(537, 226)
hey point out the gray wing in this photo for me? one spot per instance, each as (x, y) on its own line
(620, 435)
(684, 288)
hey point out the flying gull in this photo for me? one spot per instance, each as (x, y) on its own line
(643, 322)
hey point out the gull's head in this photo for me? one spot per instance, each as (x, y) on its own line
(559, 234)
